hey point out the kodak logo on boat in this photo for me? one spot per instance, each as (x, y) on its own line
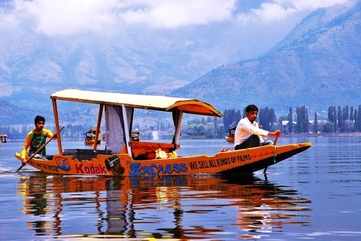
(90, 169)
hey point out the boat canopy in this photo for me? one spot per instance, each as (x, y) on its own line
(162, 103)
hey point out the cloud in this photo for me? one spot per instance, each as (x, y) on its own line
(7, 21)
(275, 10)
(173, 14)
(66, 17)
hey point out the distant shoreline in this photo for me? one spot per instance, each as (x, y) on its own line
(348, 134)
(343, 134)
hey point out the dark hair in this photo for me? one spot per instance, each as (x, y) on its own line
(250, 108)
(39, 118)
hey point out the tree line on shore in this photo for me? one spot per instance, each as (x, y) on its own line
(339, 119)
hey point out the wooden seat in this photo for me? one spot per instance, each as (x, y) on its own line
(142, 150)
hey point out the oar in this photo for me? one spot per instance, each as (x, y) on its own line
(265, 169)
(38, 150)
(275, 141)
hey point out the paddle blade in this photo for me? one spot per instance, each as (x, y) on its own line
(22, 165)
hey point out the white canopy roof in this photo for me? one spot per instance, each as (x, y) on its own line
(163, 103)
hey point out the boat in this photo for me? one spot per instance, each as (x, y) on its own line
(123, 156)
(3, 138)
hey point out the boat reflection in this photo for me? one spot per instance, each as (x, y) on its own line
(182, 207)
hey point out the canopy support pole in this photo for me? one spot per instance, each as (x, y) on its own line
(126, 130)
(57, 127)
(97, 131)
(178, 127)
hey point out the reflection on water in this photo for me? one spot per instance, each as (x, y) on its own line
(314, 195)
(171, 207)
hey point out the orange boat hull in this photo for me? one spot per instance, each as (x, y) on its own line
(227, 162)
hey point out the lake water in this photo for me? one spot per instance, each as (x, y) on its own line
(315, 195)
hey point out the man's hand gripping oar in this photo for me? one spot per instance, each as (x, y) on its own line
(38, 150)
(276, 134)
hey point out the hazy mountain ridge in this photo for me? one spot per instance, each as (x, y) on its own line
(316, 65)
(322, 52)
(12, 114)
(93, 62)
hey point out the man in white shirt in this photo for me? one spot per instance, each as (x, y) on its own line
(248, 134)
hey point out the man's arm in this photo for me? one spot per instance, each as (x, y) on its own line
(260, 132)
(26, 146)
(27, 142)
(254, 129)
(50, 134)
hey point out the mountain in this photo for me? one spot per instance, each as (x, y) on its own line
(12, 114)
(33, 65)
(317, 64)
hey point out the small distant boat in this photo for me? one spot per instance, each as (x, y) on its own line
(3, 138)
(125, 156)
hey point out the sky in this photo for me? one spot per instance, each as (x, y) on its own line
(68, 17)
(216, 31)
